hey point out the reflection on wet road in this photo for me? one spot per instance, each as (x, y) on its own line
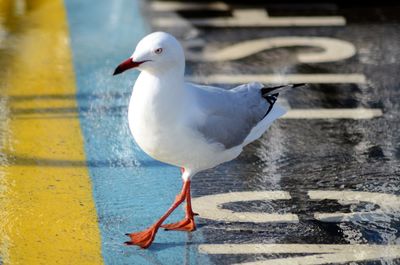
(321, 186)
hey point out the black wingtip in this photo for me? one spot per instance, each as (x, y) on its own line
(266, 91)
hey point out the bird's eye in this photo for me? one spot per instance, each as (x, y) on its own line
(158, 51)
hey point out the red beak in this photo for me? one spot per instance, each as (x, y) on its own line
(125, 65)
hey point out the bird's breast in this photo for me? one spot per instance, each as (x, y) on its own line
(161, 123)
(154, 126)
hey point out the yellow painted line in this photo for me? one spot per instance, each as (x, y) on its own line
(47, 213)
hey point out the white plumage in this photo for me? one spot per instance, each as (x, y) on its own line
(187, 125)
(167, 116)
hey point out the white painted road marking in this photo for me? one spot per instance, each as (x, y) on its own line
(281, 79)
(318, 253)
(260, 19)
(355, 113)
(331, 49)
(209, 207)
(173, 6)
(388, 203)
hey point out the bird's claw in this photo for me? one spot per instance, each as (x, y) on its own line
(142, 239)
(186, 224)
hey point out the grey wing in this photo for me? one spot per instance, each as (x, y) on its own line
(230, 114)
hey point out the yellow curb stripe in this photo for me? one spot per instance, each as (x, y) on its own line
(47, 212)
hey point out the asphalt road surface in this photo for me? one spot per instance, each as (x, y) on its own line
(322, 147)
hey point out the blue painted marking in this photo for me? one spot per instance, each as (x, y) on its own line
(130, 189)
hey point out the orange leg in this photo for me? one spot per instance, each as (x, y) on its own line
(187, 224)
(144, 238)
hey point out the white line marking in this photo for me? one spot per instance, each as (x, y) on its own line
(250, 14)
(319, 253)
(257, 18)
(355, 113)
(388, 204)
(270, 22)
(281, 79)
(173, 6)
(241, 17)
(209, 207)
(332, 49)
(388, 201)
(375, 216)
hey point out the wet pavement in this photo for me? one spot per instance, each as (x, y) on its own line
(304, 155)
(320, 187)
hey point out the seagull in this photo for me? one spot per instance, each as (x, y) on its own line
(191, 126)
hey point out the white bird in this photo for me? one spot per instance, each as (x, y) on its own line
(188, 125)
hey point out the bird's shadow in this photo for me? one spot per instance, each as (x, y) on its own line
(157, 246)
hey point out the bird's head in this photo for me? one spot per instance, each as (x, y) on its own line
(155, 53)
